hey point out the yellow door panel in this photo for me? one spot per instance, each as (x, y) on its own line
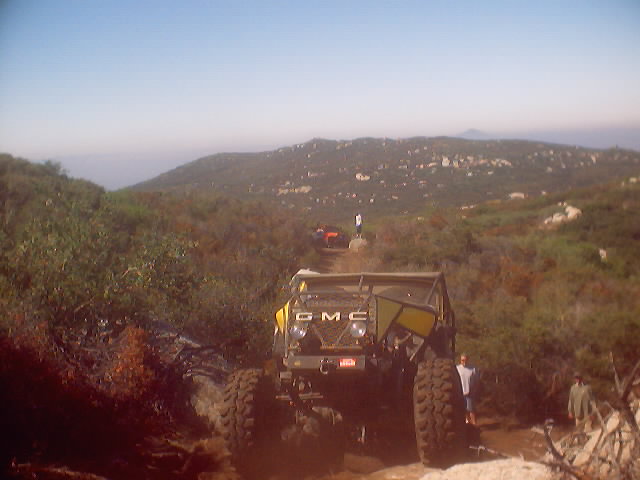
(386, 312)
(417, 320)
(281, 317)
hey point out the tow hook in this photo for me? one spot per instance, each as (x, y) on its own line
(327, 366)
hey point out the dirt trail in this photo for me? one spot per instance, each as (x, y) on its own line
(330, 259)
(496, 440)
(344, 260)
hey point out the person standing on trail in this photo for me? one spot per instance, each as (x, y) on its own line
(581, 401)
(358, 225)
(318, 236)
(468, 379)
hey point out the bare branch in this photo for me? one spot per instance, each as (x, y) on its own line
(616, 377)
(559, 461)
(61, 473)
(628, 382)
(482, 448)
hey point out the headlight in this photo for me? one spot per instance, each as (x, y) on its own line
(358, 329)
(297, 331)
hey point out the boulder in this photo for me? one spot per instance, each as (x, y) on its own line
(506, 469)
(357, 243)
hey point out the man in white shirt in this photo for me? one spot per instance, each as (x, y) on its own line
(468, 379)
(358, 225)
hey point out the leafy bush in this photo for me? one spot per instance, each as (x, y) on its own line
(85, 276)
(534, 304)
(82, 256)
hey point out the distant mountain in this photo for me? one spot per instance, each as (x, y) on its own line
(602, 137)
(331, 180)
(621, 137)
(473, 134)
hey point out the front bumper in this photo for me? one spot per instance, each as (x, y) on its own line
(326, 363)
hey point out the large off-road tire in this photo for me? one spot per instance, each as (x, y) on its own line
(247, 412)
(438, 412)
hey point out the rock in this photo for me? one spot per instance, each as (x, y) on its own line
(585, 453)
(415, 471)
(357, 243)
(362, 463)
(603, 453)
(572, 212)
(509, 469)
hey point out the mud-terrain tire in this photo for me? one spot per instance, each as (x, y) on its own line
(438, 412)
(246, 413)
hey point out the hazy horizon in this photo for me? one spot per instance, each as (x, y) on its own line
(119, 170)
(120, 92)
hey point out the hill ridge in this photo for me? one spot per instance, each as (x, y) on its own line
(326, 178)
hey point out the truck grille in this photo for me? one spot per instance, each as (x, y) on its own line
(335, 333)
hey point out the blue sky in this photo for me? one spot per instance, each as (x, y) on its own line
(120, 91)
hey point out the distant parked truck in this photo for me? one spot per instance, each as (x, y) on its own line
(330, 237)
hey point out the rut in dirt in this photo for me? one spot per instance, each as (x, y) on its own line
(329, 258)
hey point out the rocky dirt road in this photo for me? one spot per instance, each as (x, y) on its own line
(518, 444)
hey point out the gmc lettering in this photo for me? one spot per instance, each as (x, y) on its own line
(331, 316)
